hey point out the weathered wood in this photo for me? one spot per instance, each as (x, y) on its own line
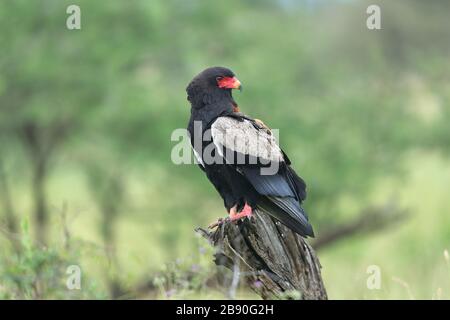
(273, 260)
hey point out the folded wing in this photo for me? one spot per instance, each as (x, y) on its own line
(252, 150)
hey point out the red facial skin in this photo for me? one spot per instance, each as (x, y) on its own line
(228, 83)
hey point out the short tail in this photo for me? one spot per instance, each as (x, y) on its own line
(289, 212)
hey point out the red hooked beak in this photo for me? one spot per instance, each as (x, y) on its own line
(229, 83)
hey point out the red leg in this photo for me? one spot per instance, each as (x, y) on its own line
(234, 215)
(245, 212)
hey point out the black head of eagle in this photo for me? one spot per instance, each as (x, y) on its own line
(240, 156)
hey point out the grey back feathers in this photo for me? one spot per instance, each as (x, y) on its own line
(241, 136)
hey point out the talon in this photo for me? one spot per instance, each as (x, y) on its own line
(247, 211)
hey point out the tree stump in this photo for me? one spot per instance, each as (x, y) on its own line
(273, 260)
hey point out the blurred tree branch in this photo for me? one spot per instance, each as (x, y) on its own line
(369, 221)
(8, 208)
(40, 143)
(108, 191)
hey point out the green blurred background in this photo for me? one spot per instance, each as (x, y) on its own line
(86, 176)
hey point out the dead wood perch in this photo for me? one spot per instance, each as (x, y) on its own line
(273, 260)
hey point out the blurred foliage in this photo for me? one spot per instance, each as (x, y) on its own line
(87, 116)
(40, 272)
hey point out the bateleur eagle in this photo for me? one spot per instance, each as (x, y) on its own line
(238, 152)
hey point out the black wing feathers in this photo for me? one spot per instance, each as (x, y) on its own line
(282, 192)
(297, 183)
(289, 212)
(268, 185)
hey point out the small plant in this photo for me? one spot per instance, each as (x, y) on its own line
(187, 277)
(39, 272)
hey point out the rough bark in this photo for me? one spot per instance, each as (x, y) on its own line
(273, 260)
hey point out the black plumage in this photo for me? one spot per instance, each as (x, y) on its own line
(233, 137)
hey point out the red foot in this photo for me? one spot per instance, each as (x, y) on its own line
(245, 212)
(234, 215)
